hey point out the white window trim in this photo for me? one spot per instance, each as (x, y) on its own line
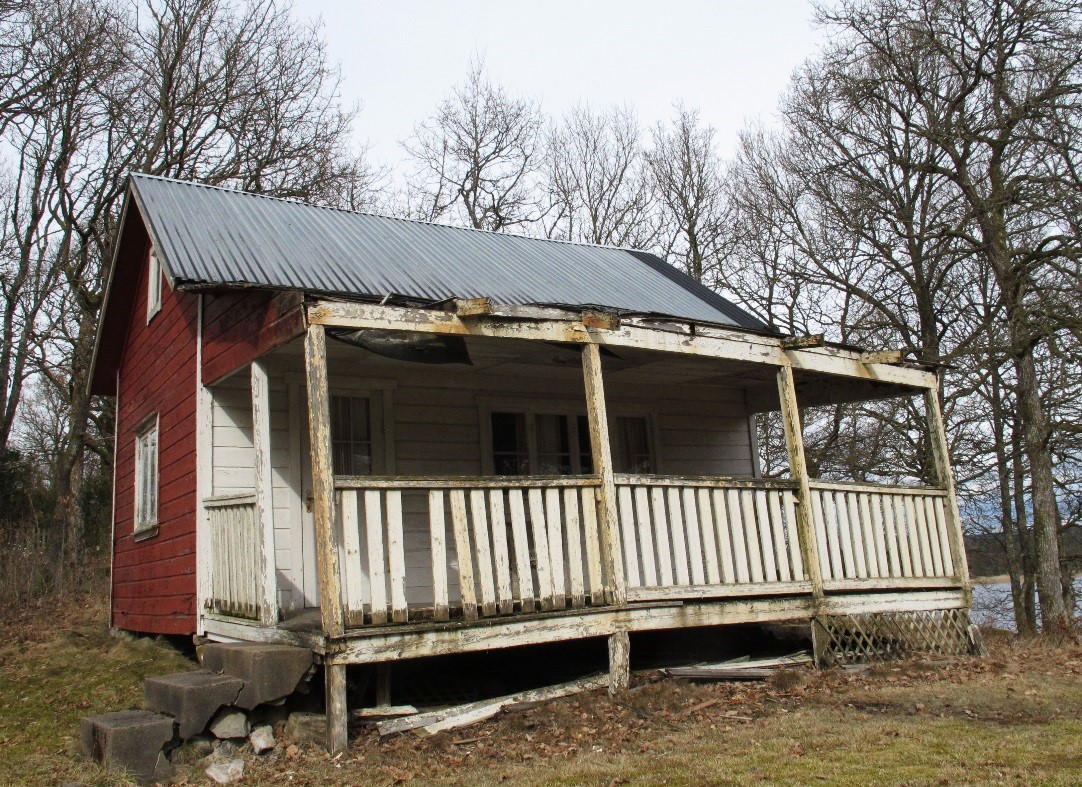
(154, 286)
(149, 527)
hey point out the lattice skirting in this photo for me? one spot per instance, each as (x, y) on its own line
(883, 636)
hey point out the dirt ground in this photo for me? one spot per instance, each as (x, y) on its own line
(1014, 717)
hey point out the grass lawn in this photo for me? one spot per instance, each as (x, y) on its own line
(1014, 717)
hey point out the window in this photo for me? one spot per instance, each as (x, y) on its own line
(146, 475)
(525, 443)
(510, 454)
(154, 287)
(631, 446)
(586, 454)
(351, 435)
(553, 445)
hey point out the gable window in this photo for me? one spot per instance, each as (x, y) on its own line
(146, 475)
(154, 287)
(351, 435)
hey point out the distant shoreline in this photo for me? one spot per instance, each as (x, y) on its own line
(998, 579)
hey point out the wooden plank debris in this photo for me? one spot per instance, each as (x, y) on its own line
(742, 668)
(382, 712)
(461, 715)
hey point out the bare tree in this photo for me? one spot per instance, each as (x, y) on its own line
(686, 171)
(476, 158)
(227, 92)
(1005, 82)
(597, 180)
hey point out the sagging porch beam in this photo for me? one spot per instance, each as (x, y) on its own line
(703, 341)
(319, 426)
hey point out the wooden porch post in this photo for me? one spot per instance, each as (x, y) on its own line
(798, 469)
(264, 499)
(937, 436)
(330, 590)
(337, 710)
(601, 449)
(319, 428)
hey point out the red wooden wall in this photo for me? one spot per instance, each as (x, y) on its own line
(154, 583)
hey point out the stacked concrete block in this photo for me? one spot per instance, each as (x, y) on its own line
(229, 700)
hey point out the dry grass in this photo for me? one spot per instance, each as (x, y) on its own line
(1013, 717)
(58, 663)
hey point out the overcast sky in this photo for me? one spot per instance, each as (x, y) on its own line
(728, 58)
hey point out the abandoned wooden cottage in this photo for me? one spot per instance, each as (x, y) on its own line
(383, 439)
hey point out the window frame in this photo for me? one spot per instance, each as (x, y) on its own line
(531, 407)
(146, 527)
(154, 285)
(380, 395)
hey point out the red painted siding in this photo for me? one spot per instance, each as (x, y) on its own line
(240, 327)
(154, 586)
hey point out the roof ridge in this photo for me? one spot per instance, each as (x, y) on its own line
(302, 203)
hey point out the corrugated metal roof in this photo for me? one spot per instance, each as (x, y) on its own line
(208, 235)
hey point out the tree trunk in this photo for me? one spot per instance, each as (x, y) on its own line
(1055, 618)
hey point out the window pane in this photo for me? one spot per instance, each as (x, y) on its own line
(351, 430)
(632, 446)
(146, 478)
(510, 455)
(586, 455)
(553, 445)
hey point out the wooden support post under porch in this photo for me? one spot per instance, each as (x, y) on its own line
(333, 619)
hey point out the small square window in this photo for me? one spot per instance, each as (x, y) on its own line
(146, 475)
(154, 287)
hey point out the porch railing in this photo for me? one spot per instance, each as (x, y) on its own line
(236, 564)
(708, 537)
(471, 548)
(878, 532)
(519, 545)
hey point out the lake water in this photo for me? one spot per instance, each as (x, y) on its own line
(992, 604)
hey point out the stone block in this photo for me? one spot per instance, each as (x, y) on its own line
(230, 723)
(192, 698)
(269, 671)
(225, 772)
(262, 739)
(130, 741)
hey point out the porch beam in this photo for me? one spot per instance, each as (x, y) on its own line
(601, 450)
(319, 426)
(264, 500)
(798, 469)
(675, 337)
(937, 436)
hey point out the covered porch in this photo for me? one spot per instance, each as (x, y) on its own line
(628, 500)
